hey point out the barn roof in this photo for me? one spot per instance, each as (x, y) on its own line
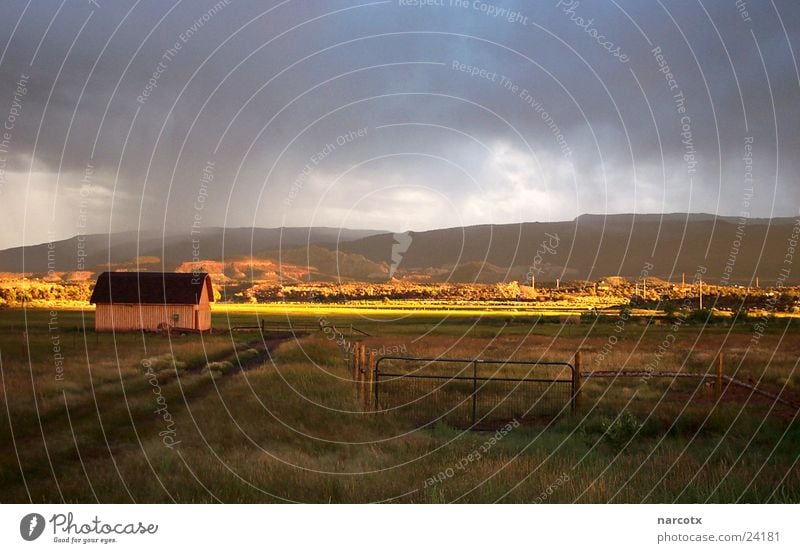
(158, 288)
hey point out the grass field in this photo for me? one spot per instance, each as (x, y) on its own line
(149, 418)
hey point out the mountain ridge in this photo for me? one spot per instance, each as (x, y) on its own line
(589, 247)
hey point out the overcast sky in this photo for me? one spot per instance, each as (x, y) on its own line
(162, 115)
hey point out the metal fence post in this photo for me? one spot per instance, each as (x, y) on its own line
(720, 368)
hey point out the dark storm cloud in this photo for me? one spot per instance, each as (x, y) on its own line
(244, 113)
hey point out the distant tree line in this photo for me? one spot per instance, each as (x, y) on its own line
(396, 290)
(655, 294)
(19, 292)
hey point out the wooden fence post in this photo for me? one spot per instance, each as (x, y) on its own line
(353, 359)
(720, 369)
(360, 382)
(361, 367)
(366, 381)
(360, 374)
(576, 380)
(356, 359)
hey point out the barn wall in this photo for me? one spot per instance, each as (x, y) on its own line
(127, 316)
(204, 317)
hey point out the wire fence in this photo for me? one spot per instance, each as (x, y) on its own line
(471, 392)
(477, 393)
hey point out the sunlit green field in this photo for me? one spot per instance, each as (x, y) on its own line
(82, 419)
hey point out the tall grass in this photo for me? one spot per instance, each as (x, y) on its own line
(292, 429)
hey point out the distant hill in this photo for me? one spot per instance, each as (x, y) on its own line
(590, 247)
(152, 251)
(594, 246)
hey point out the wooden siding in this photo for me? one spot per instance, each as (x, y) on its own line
(122, 317)
(204, 309)
(203, 316)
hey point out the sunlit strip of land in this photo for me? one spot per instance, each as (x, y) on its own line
(404, 308)
(440, 310)
(398, 308)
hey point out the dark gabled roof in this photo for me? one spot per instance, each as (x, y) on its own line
(158, 288)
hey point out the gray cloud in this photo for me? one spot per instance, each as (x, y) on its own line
(260, 90)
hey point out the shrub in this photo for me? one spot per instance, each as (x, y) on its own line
(248, 354)
(614, 432)
(703, 316)
(619, 431)
(741, 315)
(221, 367)
(163, 362)
(589, 317)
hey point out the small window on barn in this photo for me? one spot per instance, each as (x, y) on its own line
(176, 317)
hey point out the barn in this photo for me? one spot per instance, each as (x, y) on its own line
(152, 301)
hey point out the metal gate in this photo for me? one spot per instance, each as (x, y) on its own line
(470, 392)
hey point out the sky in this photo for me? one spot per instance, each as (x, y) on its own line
(398, 115)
